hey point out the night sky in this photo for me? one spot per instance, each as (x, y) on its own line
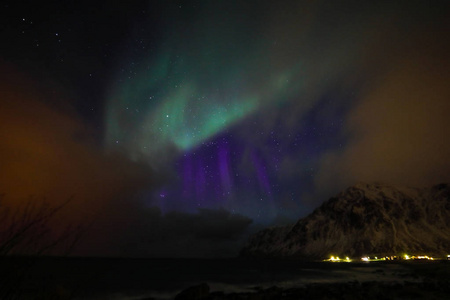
(179, 127)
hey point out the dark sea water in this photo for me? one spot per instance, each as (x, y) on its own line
(126, 278)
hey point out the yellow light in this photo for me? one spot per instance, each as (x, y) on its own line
(333, 258)
(347, 258)
(423, 257)
(406, 256)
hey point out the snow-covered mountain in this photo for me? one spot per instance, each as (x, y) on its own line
(366, 219)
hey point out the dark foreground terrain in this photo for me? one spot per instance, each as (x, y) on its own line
(114, 278)
(349, 290)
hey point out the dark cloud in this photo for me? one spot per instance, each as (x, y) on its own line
(46, 150)
(147, 232)
(399, 128)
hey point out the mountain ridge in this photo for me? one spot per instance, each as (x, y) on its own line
(364, 219)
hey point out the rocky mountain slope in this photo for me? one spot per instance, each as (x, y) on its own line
(366, 219)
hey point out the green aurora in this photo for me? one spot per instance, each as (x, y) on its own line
(197, 83)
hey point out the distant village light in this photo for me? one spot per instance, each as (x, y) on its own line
(424, 257)
(386, 258)
(334, 259)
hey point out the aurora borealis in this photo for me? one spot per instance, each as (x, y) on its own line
(187, 100)
(159, 112)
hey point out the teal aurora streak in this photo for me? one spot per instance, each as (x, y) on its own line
(165, 105)
(198, 82)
